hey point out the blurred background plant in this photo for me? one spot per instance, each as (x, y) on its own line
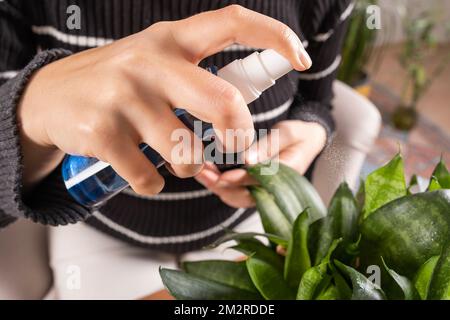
(358, 48)
(419, 47)
(403, 67)
(365, 43)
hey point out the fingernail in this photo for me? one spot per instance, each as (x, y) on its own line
(302, 66)
(306, 59)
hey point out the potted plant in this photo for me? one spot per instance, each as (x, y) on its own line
(401, 238)
(418, 48)
(358, 48)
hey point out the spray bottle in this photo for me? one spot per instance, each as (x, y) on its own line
(92, 182)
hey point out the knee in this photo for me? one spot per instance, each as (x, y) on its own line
(358, 120)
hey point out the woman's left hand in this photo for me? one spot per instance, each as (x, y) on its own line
(292, 142)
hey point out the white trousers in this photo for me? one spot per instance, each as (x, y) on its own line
(108, 268)
(88, 264)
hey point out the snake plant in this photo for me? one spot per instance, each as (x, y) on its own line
(315, 253)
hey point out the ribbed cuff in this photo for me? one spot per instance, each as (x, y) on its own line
(312, 111)
(5, 220)
(50, 202)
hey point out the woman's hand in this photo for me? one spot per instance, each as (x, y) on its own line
(293, 142)
(104, 102)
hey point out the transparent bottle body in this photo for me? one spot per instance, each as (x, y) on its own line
(92, 182)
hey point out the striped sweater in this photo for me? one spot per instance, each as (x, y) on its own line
(184, 216)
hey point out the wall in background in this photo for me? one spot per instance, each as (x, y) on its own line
(392, 18)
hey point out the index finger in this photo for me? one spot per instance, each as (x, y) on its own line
(210, 32)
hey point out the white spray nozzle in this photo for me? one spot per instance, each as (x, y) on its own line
(255, 73)
(275, 64)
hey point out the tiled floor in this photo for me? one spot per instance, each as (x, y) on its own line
(424, 145)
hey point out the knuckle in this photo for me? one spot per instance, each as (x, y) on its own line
(114, 91)
(159, 26)
(95, 128)
(230, 98)
(287, 35)
(101, 131)
(105, 149)
(145, 182)
(127, 58)
(235, 11)
(234, 15)
(109, 100)
(191, 162)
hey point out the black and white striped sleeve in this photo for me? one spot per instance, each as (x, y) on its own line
(17, 41)
(324, 27)
(49, 203)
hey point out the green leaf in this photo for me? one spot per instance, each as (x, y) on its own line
(248, 235)
(297, 258)
(305, 192)
(292, 192)
(276, 185)
(253, 247)
(384, 185)
(442, 175)
(434, 184)
(412, 183)
(407, 231)
(423, 277)
(409, 291)
(363, 288)
(440, 281)
(231, 273)
(273, 219)
(352, 249)
(341, 222)
(331, 250)
(268, 280)
(323, 285)
(184, 286)
(361, 195)
(316, 277)
(331, 293)
(310, 281)
(344, 290)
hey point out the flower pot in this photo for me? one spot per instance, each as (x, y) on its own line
(404, 118)
(363, 85)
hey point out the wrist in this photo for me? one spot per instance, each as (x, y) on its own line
(30, 113)
(36, 95)
(39, 155)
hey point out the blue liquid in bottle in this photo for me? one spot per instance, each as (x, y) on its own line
(92, 182)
